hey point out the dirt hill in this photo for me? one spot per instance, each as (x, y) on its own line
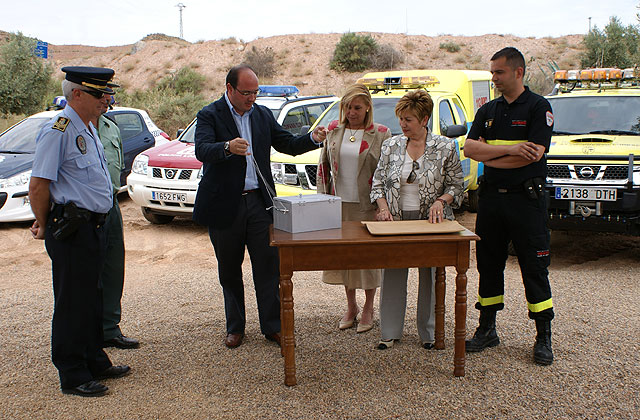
(303, 60)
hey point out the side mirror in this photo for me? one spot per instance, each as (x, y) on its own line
(456, 130)
(180, 131)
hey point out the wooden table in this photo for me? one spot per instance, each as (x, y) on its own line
(352, 247)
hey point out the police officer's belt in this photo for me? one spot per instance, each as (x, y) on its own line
(87, 215)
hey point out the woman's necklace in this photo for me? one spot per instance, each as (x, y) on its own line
(352, 138)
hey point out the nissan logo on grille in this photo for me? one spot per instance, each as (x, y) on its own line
(170, 173)
(586, 172)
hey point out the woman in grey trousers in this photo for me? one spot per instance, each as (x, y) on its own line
(418, 176)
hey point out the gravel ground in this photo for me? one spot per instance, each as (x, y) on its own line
(173, 304)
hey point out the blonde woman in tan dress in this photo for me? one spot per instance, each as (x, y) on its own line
(347, 162)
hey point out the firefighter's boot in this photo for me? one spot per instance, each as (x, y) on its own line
(485, 335)
(542, 352)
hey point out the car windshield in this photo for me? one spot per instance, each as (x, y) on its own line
(596, 115)
(383, 113)
(189, 134)
(21, 138)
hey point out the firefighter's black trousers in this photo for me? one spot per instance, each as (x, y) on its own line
(513, 215)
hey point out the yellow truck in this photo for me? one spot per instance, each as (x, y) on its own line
(593, 163)
(456, 94)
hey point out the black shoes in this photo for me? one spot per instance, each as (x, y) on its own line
(485, 335)
(542, 352)
(87, 389)
(122, 342)
(94, 388)
(113, 372)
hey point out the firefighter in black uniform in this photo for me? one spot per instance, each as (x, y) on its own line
(510, 135)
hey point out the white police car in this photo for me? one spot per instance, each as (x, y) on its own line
(18, 145)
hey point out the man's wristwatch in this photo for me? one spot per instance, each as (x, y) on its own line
(226, 147)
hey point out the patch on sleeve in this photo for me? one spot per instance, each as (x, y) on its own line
(82, 145)
(61, 124)
(488, 123)
(549, 118)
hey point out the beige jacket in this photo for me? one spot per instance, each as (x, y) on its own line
(440, 173)
(367, 160)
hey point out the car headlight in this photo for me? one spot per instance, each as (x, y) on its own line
(140, 164)
(277, 171)
(16, 180)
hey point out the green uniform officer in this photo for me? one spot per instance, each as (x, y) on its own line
(112, 275)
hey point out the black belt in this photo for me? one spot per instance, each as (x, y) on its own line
(245, 192)
(88, 215)
(512, 189)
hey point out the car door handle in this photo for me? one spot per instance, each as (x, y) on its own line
(147, 139)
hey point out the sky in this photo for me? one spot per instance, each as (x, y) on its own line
(121, 22)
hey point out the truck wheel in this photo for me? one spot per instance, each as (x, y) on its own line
(472, 195)
(157, 219)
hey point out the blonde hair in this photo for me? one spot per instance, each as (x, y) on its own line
(418, 102)
(357, 91)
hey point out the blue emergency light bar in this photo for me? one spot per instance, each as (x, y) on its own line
(278, 90)
(60, 101)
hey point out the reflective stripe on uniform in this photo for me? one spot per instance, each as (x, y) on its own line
(540, 306)
(505, 142)
(495, 300)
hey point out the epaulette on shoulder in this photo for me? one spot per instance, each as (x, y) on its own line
(61, 124)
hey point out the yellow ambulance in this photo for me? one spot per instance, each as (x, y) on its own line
(456, 94)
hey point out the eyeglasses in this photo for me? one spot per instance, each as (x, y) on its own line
(412, 175)
(94, 93)
(248, 92)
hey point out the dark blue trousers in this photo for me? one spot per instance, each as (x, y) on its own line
(76, 328)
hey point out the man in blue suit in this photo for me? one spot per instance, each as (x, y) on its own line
(233, 139)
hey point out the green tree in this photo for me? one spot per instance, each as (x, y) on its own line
(25, 80)
(353, 52)
(615, 46)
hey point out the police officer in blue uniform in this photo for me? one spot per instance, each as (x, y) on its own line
(510, 135)
(70, 193)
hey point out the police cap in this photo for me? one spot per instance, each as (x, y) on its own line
(96, 78)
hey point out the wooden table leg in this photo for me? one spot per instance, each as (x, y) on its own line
(461, 321)
(440, 294)
(288, 339)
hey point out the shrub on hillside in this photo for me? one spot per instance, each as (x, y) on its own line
(386, 58)
(353, 52)
(261, 61)
(172, 103)
(450, 46)
(184, 80)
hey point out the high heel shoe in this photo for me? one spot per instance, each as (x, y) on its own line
(362, 327)
(385, 344)
(348, 323)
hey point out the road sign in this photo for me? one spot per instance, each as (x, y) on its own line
(42, 49)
